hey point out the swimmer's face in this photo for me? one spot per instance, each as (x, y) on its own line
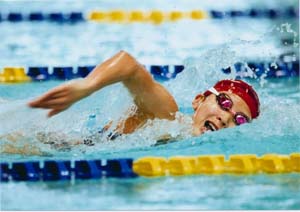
(209, 116)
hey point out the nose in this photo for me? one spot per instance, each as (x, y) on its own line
(224, 119)
(222, 123)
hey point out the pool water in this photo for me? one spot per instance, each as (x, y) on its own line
(204, 48)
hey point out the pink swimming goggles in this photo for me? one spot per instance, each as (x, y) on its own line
(225, 103)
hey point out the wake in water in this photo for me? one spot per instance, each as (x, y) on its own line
(27, 131)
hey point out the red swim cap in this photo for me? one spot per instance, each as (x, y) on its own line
(243, 90)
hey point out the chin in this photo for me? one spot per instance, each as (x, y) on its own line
(197, 132)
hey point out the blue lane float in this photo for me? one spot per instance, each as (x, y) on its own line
(53, 170)
(4, 172)
(56, 170)
(38, 73)
(14, 17)
(164, 72)
(264, 69)
(160, 72)
(178, 68)
(290, 12)
(57, 17)
(76, 17)
(254, 13)
(63, 73)
(259, 68)
(36, 16)
(121, 168)
(237, 13)
(91, 169)
(28, 171)
(83, 71)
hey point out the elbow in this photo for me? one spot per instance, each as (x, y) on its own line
(124, 52)
(126, 56)
(129, 61)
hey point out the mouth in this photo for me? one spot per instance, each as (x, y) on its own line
(210, 126)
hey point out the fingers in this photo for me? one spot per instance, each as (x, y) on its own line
(52, 94)
(44, 98)
(57, 110)
(53, 103)
(54, 112)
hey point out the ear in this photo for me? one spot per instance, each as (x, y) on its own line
(198, 99)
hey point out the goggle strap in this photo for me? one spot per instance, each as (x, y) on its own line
(214, 91)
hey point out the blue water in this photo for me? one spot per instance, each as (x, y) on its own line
(203, 47)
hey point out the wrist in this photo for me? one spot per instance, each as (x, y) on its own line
(84, 87)
(88, 86)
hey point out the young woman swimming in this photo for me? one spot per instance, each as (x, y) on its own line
(229, 103)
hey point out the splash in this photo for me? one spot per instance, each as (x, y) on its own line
(61, 132)
(201, 73)
(286, 28)
(16, 115)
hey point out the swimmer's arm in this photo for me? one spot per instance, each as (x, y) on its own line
(150, 97)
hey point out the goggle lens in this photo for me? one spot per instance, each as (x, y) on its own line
(240, 119)
(224, 102)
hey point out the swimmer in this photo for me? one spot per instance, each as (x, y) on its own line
(228, 103)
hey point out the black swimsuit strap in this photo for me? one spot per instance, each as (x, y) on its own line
(111, 136)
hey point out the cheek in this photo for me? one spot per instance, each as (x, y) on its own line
(205, 111)
(231, 124)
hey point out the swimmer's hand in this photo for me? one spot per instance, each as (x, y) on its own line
(62, 97)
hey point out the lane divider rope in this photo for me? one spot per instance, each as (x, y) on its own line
(160, 72)
(64, 170)
(152, 16)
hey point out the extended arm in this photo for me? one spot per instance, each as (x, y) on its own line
(150, 97)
